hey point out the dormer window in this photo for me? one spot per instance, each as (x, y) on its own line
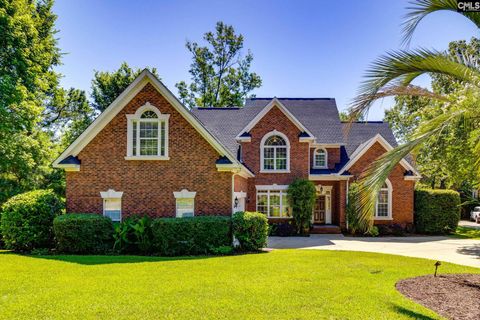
(275, 153)
(320, 158)
(147, 134)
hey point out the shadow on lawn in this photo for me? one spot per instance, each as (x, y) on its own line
(113, 259)
(106, 259)
(412, 314)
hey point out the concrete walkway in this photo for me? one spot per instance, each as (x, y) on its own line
(459, 251)
(469, 224)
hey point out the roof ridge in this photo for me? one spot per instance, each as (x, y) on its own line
(289, 98)
(367, 122)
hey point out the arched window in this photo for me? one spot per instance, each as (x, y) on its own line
(275, 152)
(148, 134)
(320, 158)
(383, 207)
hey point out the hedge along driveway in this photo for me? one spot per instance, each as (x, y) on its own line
(283, 284)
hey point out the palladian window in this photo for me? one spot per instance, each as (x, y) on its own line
(275, 153)
(148, 134)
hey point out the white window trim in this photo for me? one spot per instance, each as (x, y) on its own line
(137, 117)
(390, 192)
(109, 195)
(184, 194)
(265, 190)
(326, 158)
(262, 151)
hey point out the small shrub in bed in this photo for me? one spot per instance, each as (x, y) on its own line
(83, 233)
(133, 235)
(27, 220)
(437, 211)
(251, 230)
(192, 235)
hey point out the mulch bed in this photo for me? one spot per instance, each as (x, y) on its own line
(454, 296)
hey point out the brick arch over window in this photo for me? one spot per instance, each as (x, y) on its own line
(275, 152)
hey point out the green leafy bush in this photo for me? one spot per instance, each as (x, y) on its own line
(352, 210)
(83, 233)
(27, 220)
(191, 236)
(251, 230)
(301, 195)
(133, 235)
(437, 211)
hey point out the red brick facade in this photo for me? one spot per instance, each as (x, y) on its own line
(275, 119)
(148, 186)
(403, 190)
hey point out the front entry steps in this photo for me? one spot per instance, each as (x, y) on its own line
(325, 229)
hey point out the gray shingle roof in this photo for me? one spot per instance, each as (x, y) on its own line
(356, 133)
(318, 115)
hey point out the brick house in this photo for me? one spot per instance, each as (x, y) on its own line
(148, 154)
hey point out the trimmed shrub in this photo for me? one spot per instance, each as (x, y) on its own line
(83, 233)
(27, 220)
(251, 230)
(301, 195)
(191, 236)
(436, 211)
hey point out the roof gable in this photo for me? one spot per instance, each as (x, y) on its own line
(121, 101)
(364, 147)
(274, 103)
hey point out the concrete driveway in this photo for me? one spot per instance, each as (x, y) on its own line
(459, 251)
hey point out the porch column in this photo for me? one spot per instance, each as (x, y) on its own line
(342, 195)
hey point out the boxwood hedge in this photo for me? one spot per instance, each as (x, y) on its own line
(251, 230)
(437, 211)
(191, 236)
(27, 220)
(83, 233)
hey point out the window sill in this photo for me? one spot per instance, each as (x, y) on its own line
(285, 218)
(147, 158)
(274, 171)
(383, 218)
(319, 167)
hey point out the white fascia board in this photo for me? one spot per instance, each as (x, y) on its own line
(266, 109)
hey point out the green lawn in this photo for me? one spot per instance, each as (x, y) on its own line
(283, 284)
(467, 233)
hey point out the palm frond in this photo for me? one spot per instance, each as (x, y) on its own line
(389, 91)
(400, 67)
(421, 8)
(374, 177)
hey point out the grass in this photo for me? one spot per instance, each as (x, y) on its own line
(466, 233)
(283, 284)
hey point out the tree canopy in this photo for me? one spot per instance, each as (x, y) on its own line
(220, 75)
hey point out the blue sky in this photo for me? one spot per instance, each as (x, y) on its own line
(301, 48)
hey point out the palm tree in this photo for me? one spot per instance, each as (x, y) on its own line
(392, 74)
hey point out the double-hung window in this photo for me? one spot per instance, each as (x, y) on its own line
(147, 134)
(273, 203)
(112, 204)
(185, 203)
